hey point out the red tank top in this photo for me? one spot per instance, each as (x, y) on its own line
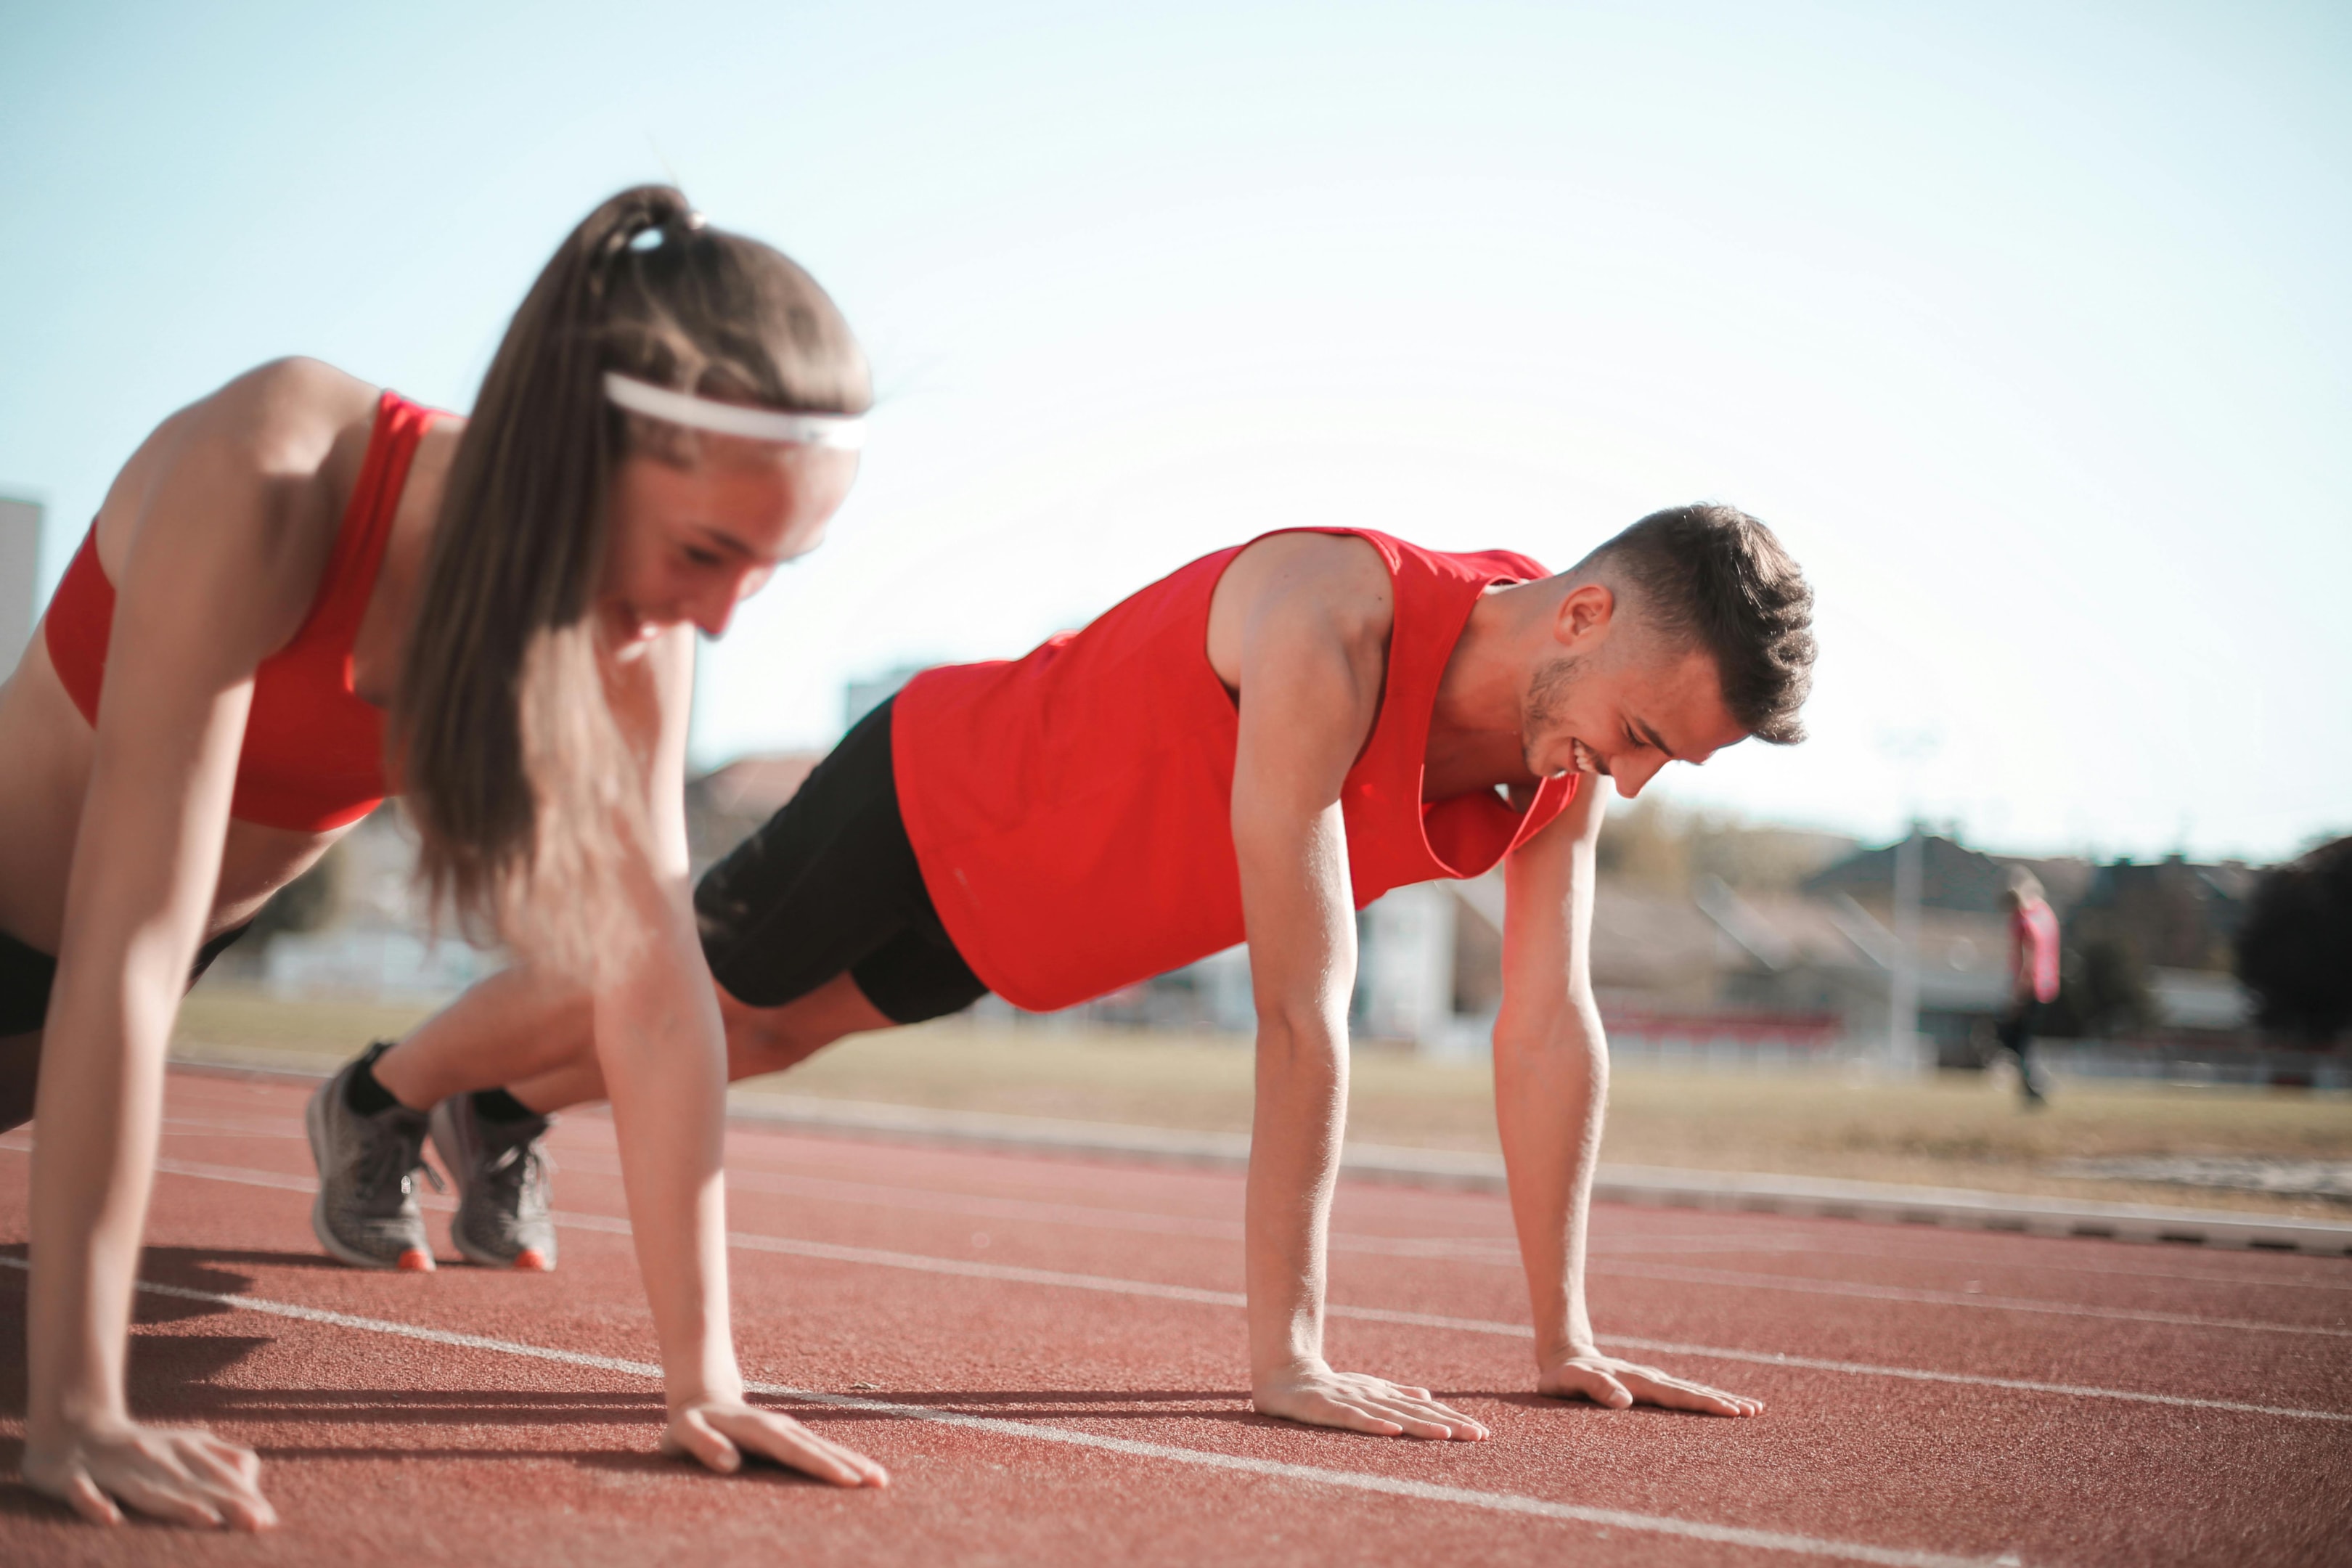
(1072, 811)
(313, 752)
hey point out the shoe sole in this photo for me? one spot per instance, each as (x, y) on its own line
(530, 1260)
(414, 1261)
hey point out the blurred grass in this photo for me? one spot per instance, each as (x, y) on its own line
(1954, 1129)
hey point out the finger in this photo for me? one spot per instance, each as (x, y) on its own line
(1460, 1427)
(160, 1500)
(1591, 1383)
(232, 1488)
(1409, 1421)
(1324, 1410)
(692, 1435)
(82, 1495)
(1677, 1394)
(787, 1442)
(244, 1461)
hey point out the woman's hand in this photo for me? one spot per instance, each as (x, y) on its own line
(718, 1431)
(1621, 1384)
(183, 1475)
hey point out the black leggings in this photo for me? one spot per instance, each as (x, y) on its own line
(26, 975)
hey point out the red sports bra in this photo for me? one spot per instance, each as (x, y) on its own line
(313, 753)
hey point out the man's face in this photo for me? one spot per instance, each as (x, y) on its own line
(1610, 698)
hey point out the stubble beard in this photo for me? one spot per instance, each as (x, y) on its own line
(1546, 695)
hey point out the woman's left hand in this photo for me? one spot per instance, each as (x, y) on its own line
(718, 1432)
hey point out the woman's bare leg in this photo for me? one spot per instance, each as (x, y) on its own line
(519, 1023)
(536, 1039)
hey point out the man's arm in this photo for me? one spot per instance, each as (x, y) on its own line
(1551, 1087)
(1311, 659)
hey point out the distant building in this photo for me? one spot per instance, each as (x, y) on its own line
(20, 575)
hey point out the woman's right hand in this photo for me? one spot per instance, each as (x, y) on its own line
(183, 1475)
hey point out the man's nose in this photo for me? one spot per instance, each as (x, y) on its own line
(1633, 772)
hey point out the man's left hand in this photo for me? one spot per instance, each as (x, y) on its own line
(1621, 1384)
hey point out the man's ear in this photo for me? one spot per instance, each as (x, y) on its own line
(1584, 615)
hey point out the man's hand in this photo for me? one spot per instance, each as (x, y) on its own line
(1315, 1394)
(1621, 1384)
(181, 1475)
(717, 1432)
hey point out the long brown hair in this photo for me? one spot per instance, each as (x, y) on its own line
(529, 797)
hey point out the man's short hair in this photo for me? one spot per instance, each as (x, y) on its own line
(1713, 577)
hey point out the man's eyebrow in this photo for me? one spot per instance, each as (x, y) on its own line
(1650, 738)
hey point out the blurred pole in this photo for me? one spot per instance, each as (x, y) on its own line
(1902, 980)
(20, 577)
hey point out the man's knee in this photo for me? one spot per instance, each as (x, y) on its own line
(759, 1039)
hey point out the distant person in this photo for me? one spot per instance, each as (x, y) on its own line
(2032, 978)
(296, 580)
(1255, 747)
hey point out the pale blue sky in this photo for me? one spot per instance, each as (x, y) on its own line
(2026, 326)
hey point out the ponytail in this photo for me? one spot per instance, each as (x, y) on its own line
(529, 796)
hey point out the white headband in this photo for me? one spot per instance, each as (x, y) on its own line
(843, 432)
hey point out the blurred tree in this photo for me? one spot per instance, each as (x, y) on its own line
(309, 902)
(2102, 990)
(1654, 845)
(2295, 951)
(1648, 845)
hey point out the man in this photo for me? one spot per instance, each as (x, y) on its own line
(1254, 746)
(2032, 978)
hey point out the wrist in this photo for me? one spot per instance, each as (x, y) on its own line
(1266, 1371)
(723, 1386)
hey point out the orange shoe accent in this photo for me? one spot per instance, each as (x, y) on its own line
(532, 1259)
(416, 1260)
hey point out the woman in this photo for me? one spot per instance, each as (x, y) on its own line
(299, 586)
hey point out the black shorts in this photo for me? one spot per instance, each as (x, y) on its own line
(828, 887)
(27, 976)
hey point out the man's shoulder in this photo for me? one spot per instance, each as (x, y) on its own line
(1345, 578)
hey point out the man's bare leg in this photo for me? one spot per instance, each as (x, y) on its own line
(759, 1040)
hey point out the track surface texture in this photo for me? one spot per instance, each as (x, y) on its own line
(1048, 1354)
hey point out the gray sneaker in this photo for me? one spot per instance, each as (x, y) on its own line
(366, 1214)
(501, 1170)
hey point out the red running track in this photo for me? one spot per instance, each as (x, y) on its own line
(1048, 1355)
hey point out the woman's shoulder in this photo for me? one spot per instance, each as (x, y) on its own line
(285, 417)
(246, 482)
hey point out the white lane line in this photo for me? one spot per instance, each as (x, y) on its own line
(1011, 1273)
(1666, 1271)
(1684, 1275)
(1313, 1475)
(1500, 1252)
(928, 1200)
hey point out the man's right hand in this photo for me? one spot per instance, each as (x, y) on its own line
(183, 1475)
(1315, 1394)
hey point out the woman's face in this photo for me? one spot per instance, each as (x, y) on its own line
(689, 543)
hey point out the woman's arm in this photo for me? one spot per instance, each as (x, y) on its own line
(220, 513)
(1551, 1088)
(664, 1056)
